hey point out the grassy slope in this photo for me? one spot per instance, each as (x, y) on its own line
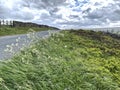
(5, 30)
(77, 60)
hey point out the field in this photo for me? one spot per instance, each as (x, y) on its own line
(70, 60)
(7, 30)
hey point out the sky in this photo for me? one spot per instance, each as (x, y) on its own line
(64, 14)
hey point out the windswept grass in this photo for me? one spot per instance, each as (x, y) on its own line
(7, 30)
(71, 60)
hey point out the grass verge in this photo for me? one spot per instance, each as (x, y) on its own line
(7, 30)
(70, 60)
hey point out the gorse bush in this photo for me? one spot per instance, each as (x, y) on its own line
(70, 60)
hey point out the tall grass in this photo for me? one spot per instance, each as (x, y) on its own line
(70, 60)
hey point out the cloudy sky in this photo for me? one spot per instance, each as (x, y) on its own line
(63, 13)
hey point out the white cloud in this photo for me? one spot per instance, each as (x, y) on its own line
(63, 13)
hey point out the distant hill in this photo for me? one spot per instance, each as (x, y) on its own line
(30, 24)
(17, 27)
(24, 24)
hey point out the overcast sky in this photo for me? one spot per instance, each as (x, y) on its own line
(63, 13)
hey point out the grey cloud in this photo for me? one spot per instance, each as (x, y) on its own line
(54, 10)
(97, 4)
(111, 12)
(53, 2)
(44, 16)
(73, 16)
(22, 15)
(87, 10)
(4, 12)
(14, 13)
(96, 17)
(50, 5)
(95, 14)
(87, 22)
(117, 11)
(43, 4)
(53, 14)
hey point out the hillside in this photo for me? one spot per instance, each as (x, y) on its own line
(30, 24)
(17, 27)
(70, 60)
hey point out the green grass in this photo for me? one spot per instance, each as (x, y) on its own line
(6, 30)
(71, 60)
